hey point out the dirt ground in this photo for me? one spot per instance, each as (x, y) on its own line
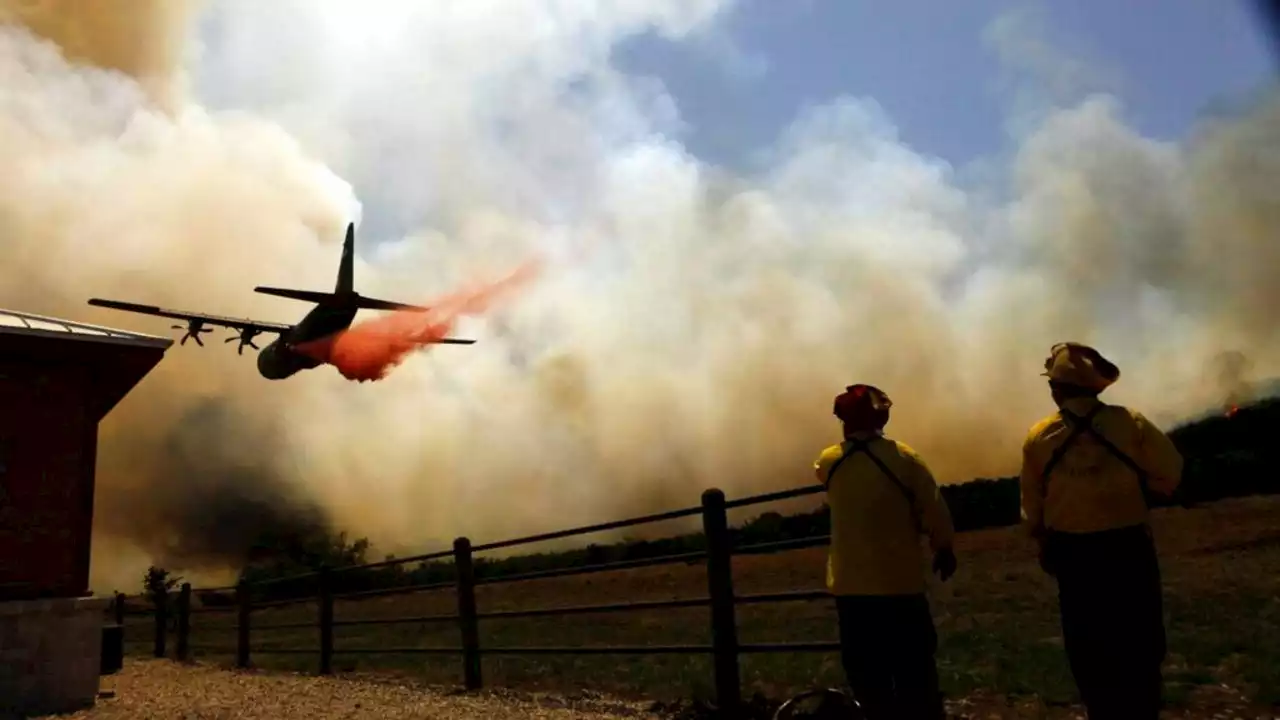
(163, 689)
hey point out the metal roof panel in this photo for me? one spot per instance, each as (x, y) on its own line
(21, 323)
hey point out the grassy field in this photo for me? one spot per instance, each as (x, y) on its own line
(997, 621)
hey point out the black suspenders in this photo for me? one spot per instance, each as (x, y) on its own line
(863, 446)
(1079, 426)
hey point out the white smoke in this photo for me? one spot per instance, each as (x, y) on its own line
(690, 327)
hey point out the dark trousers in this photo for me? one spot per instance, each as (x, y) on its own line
(887, 646)
(1112, 611)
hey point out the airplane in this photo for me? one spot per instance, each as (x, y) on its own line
(333, 313)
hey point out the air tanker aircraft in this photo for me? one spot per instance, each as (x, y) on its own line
(333, 312)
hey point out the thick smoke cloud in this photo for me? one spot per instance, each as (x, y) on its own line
(689, 325)
(225, 505)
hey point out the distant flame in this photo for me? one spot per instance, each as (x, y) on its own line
(1233, 370)
(369, 350)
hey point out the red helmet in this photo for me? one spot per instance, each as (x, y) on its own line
(863, 407)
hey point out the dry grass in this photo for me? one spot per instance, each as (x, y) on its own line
(997, 623)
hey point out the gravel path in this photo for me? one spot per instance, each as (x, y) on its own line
(147, 689)
(154, 689)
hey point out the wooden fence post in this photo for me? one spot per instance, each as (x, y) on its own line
(326, 622)
(184, 623)
(161, 603)
(242, 624)
(724, 628)
(467, 621)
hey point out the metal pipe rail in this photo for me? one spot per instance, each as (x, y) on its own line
(588, 569)
(720, 600)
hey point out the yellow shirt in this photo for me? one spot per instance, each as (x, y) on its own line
(875, 528)
(1090, 489)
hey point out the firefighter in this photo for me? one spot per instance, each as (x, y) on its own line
(1086, 472)
(882, 497)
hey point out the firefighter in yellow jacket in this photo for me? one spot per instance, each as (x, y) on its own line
(1086, 472)
(882, 497)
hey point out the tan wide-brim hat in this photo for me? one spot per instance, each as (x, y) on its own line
(1076, 364)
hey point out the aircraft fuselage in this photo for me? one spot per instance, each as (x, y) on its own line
(278, 360)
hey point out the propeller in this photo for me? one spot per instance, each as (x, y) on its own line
(194, 329)
(245, 337)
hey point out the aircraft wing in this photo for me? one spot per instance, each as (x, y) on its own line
(192, 317)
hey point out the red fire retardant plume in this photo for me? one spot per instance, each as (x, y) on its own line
(369, 350)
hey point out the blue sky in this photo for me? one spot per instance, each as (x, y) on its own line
(927, 62)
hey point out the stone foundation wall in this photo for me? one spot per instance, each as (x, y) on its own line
(50, 654)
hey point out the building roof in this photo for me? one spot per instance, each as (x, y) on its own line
(20, 323)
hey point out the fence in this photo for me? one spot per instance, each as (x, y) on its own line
(721, 600)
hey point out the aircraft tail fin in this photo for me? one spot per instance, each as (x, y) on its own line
(346, 268)
(344, 294)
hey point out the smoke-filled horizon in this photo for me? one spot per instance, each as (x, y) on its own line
(689, 325)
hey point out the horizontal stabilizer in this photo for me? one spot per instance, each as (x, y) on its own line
(368, 303)
(344, 300)
(319, 298)
(453, 341)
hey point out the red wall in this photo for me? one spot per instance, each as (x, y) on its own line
(47, 448)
